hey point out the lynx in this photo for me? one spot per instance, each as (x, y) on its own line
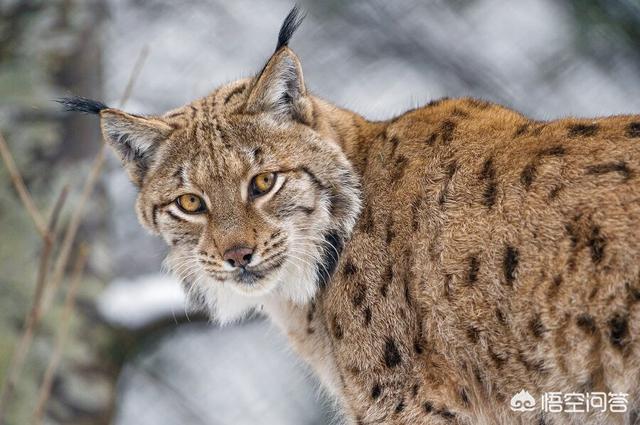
(428, 267)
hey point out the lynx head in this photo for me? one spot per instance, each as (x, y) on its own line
(248, 186)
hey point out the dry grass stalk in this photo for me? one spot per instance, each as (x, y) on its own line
(23, 193)
(45, 293)
(61, 336)
(19, 355)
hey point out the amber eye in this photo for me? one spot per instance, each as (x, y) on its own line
(190, 203)
(261, 184)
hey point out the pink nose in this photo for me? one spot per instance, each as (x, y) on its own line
(238, 256)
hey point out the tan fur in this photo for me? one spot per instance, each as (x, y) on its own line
(492, 253)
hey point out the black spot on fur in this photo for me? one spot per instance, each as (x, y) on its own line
(416, 207)
(81, 104)
(586, 322)
(349, 269)
(450, 171)
(610, 167)
(392, 356)
(367, 316)
(510, 264)
(619, 327)
(337, 329)
(399, 168)
(583, 130)
(414, 390)
(521, 130)
(488, 174)
(376, 390)
(480, 379)
(394, 145)
(555, 191)
(553, 151)
(447, 286)
(633, 129)
(473, 334)
(289, 26)
(474, 269)
(536, 326)
(417, 346)
(464, 397)
(447, 129)
(446, 414)
(500, 316)
(390, 233)
(528, 175)
(359, 295)
(597, 244)
(408, 297)
(428, 407)
(399, 407)
(499, 359)
(366, 220)
(431, 140)
(387, 278)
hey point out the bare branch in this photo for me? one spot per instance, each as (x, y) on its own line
(45, 292)
(135, 73)
(19, 355)
(61, 337)
(21, 188)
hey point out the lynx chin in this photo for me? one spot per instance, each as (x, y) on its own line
(427, 267)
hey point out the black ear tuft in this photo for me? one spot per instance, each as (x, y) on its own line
(289, 26)
(81, 104)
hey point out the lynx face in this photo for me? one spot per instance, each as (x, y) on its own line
(244, 209)
(248, 186)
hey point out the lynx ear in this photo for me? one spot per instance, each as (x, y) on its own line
(279, 89)
(134, 138)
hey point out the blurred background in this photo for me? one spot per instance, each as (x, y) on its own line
(132, 354)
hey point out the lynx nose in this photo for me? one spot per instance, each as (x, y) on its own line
(238, 256)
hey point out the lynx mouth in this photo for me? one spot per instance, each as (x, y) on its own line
(251, 276)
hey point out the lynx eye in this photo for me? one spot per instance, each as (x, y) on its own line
(261, 184)
(190, 203)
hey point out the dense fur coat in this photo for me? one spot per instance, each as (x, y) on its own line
(427, 267)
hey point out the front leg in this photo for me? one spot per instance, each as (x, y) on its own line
(308, 337)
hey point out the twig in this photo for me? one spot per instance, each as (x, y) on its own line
(19, 355)
(61, 337)
(43, 299)
(21, 188)
(96, 168)
(135, 73)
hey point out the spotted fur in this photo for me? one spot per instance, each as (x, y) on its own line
(427, 267)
